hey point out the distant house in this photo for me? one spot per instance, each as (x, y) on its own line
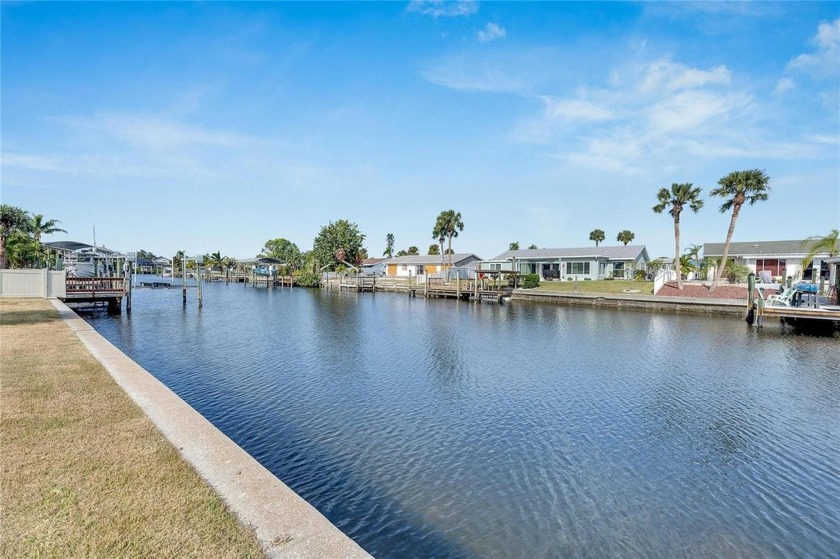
(418, 265)
(778, 258)
(572, 263)
(374, 266)
(154, 265)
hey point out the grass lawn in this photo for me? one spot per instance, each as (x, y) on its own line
(84, 472)
(599, 286)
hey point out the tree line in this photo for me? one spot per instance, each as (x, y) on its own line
(20, 238)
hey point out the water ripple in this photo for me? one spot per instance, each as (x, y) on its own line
(429, 428)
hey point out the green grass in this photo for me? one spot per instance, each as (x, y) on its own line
(84, 472)
(599, 286)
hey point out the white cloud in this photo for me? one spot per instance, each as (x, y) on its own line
(443, 8)
(491, 32)
(664, 75)
(575, 109)
(690, 110)
(784, 85)
(825, 60)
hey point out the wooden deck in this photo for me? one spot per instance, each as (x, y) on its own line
(801, 313)
(465, 289)
(108, 290)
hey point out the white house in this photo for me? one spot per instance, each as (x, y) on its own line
(419, 265)
(573, 263)
(779, 258)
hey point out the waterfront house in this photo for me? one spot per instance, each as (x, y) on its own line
(778, 258)
(373, 266)
(419, 265)
(587, 263)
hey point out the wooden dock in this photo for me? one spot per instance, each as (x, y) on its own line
(787, 313)
(109, 290)
(465, 290)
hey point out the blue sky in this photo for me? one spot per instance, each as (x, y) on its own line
(218, 126)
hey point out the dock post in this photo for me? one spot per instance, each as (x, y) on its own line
(198, 277)
(128, 299)
(751, 298)
(457, 284)
(184, 278)
(409, 282)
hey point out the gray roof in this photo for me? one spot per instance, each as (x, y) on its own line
(429, 259)
(760, 248)
(629, 252)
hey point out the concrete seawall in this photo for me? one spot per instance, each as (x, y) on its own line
(732, 307)
(286, 525)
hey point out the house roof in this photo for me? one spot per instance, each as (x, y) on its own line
(429, 259)
(629, 252)
(760, 248)
(372, 261)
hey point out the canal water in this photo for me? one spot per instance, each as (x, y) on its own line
(430, 428)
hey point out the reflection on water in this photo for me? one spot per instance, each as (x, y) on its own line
(430, 428)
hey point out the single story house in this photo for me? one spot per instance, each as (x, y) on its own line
(420, 265)
(573, 263)
(776, 257)
(374, 266)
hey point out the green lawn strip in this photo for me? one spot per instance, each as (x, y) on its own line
(600, 286)
(84, 472)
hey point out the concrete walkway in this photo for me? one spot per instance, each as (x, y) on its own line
(285, 525)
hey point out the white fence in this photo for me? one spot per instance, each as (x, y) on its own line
(32, 283)
(662, 277)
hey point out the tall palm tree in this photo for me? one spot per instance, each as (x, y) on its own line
(597, 235)
(447, 226)
(680, 195)
(12, 219)
(738, 187)
(40, 227)
(389, 245)
(816, 245)
(625, 237)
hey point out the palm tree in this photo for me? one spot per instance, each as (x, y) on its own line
(677, 198)
(692, 252)
(625, 237)
(433, 250)
(447, 226)
(389, 245)
(40, 227)
(413, 251)
(597, 235)
(514, 245)
(738, 187)
(12, 219)
(829, 244)
(532, 247)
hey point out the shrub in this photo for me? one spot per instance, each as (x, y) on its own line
(530, 281)
(609, 278)
(308, 279)
(640, 275)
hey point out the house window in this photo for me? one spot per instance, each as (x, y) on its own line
(618, 266)
(577, 268)
(405, 267)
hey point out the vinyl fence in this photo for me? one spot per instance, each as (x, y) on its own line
(32, 283)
